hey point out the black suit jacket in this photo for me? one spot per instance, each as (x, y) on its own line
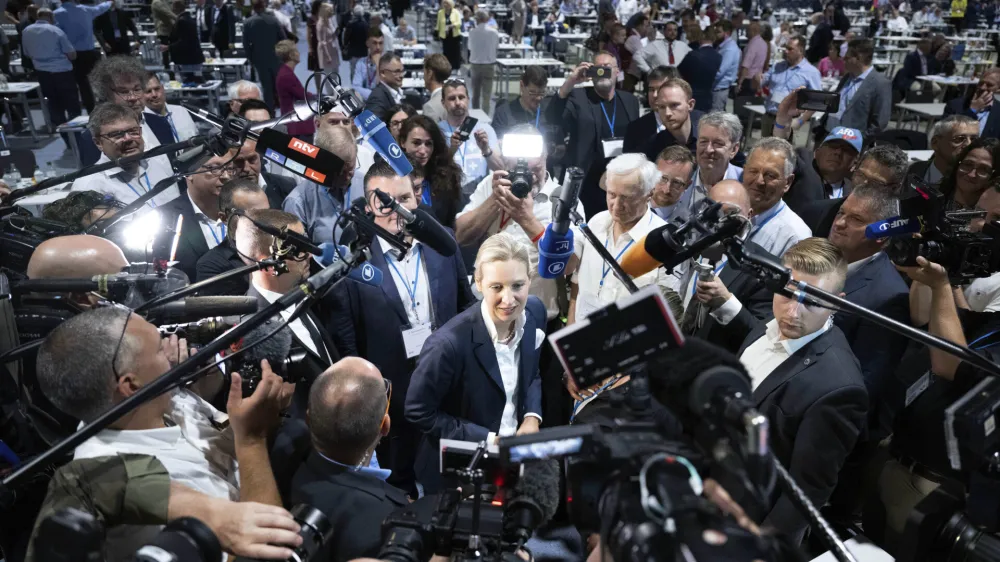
(816, 404)
(808, 187)
(278, 188)
(907, 75)
(380, 100)
(355, 503)
(820, 214)
(752, 294)
(221, 259)
(185, 45)
(106, 31)
(819, 43)
(699, 68)
(640, 133)
(653, 146)
(457, 391)
(223, 32)
(192, 245)
(960, 106)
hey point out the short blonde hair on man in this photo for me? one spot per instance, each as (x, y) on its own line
(817, 256)
(284, 50)
(502, 247)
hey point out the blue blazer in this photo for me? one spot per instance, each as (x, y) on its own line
(89, 153)
(368, 321)
(876, 286)
(457, 391)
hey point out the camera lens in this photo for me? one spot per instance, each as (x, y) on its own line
(402, 544)
(182, 540)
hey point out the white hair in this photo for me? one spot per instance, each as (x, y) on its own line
(234, 89)
(635, 164)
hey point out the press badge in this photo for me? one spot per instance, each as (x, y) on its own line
(414, 338)
(612, 147)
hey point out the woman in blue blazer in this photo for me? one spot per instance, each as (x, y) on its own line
(477, 376)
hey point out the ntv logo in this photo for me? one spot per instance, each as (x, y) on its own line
(304, 148)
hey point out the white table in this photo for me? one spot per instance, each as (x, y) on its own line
(412, 62)
(70, 129)
(518, 48)
(239, 64)
(506, 64)
(571, 36)
(19, 91)
(210, 88)
(752, 112)
(919, 155)
(930, 110)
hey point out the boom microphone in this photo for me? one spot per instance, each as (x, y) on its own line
(199, 332)
(195, 308)
(103, 284)
(533, 501)
(419, 224)
(273, 347)
(367, 273)
(660, 247)
(892, 227)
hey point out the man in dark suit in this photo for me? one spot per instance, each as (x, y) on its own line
(420, 292)
(527, 107)
(389, 90)
(949, 137)
(309, 339)
(261, 33)
(700, 66)
(825, 172)
(185, 46)
(807, 382)
(822, 37)
(918, 62)
(112, 29)
(348, 414)
(248, 163)
(201, 229)
(596, 119)
(221, 26)
(242, 194)
(981, 105)
(673, 121)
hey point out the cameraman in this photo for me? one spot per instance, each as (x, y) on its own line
(927, 382)
(95, 360)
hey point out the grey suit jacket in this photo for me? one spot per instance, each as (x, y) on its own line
(434, 108)
(869, 108)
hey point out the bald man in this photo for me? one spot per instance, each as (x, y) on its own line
(732, 298)
(317, 206)
(76, 256)
(348, 414)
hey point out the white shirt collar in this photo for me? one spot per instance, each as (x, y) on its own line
(269, 295)
(198, 213)
(792, 346)
(390, 250)
(492, 329)
(853, 267)
(114, 172)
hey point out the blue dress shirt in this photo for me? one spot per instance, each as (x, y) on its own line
(730, 67)
(317, 209)
(851, 88)
(47, 46)
(373, 469)
(365, 77)
(782, 79)
(78, 22)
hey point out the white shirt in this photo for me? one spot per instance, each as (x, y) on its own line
(626, 9)
(509, 358)
(545, 289)
(898, 24)
(195, 452)
(657, 53)
(296, 326)
(127, 188)
(468, 156)
(213, 229)
(766, 354)
(180, 120)
(389, 40)
(983, 294)
(483, 42)
(598, 286)
(777, 229)
(412, 283)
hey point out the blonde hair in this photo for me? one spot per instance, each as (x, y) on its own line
(284, 50)
(817, 256)
(502, 247)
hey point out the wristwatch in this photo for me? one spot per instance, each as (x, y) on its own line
(488, 154)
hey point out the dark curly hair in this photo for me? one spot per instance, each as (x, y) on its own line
(442, 171)
(949, 184)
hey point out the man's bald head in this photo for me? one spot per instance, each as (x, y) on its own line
(74, 256)
(348, 410)
(731, 193)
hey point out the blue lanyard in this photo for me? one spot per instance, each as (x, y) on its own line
(765, 221)
(578, 403)
(614, 114)
(462, 150)
(136, 191)
(411, 288)
(173, 129)
(607, 268)
(983, 337)
(538, 115)
(222, 231)
(425, 193)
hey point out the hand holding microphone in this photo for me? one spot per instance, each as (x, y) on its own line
(556, 245)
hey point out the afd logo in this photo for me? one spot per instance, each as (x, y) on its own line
(367, 272)
(898, 223)
(395, 151)
(304, 148)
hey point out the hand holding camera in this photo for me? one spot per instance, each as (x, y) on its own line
(515, 207)
(254, 417)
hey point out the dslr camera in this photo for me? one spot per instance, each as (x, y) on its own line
(521, 147)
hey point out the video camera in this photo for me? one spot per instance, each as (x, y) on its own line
(945, 237)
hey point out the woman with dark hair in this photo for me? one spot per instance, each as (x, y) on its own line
(396, 115)
(967, 181)
(312, 60)
(437, 179)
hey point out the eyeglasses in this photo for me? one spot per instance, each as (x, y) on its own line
(454, 82)
(129, 94)
(969, 167)
(118, 347)
(531, 94)
(396, 72)
(959, 140)
(388, 393)
(116, 136)
(396, 123)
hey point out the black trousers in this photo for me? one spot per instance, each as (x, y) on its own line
(59, 88)
(452, 48)
(82, 65)
(165, 40)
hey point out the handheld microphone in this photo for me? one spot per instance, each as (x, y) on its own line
(306, 160)
(555, 248)
(199, 332)
(376, 134)
(892, 227)
(196, 308)
(367, 273)
(419, 224)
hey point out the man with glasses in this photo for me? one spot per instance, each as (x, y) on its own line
(240, 194)
(318, 206)
(949, 137)
(201, 229)
(527, 108)
(676, 165)
(389, 90)
(981, 104)
(421, 291)
(117, 133)
(52, 54)
(785, 77)
(248, 163)
(348, 415)
(181, 124)
(242, 91)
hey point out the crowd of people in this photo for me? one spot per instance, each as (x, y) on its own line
(456, 346)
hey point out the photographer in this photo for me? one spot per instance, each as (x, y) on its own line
(97, 359)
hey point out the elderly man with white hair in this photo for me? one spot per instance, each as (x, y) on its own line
(240, 91)
(629, 183)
